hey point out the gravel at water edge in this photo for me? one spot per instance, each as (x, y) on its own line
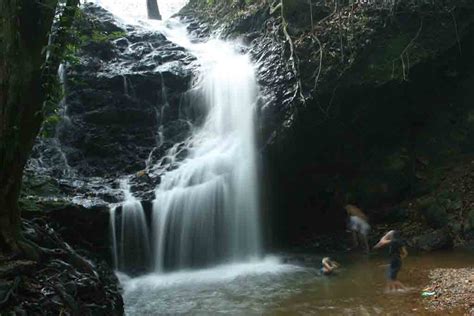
(453, 289)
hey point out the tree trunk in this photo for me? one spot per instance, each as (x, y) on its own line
(153, 10)
(24, 26)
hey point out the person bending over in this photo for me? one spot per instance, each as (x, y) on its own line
(397, 252)
(358, 224)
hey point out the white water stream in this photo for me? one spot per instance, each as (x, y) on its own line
(206, 211)
(130, 237)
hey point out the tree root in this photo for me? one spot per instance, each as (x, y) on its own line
(293, 58)
(405, 68)
(59, 282)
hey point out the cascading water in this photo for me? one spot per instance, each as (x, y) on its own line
(129, 233)
(206, 210)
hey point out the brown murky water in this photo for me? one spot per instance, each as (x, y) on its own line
(360, 287)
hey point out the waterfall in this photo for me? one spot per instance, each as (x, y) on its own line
(206, 207)
(206, 210)
(129, 234)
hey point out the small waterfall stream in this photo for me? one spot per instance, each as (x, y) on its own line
(129, 230)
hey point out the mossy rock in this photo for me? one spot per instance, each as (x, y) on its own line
(29, 205)
(436, 215)
(454, 225)
(37, 204)
(450, 200)
(40, 186)
(469, 226)
(425, 202)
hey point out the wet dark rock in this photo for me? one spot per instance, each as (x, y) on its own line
(125, 89)
(83, 228)
(435, 240)
(436, 216)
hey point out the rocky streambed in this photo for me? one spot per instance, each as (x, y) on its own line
(450, 290)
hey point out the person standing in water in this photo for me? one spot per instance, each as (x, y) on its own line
(329, 266)
(397, 252)
(358, 224)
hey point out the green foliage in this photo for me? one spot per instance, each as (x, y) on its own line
(101, 37)
(62, 50)
(49, 124)
(68, 54)
(50, 107)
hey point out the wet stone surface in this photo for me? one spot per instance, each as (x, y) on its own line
(123, 110)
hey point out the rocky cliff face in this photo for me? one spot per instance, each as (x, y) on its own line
(123, 109)
(361, 103)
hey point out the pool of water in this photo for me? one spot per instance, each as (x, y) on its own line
(269, 287)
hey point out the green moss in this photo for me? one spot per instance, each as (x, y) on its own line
(38, 204)
(49, 124)
(29, 204)
(103, 37)
(40, 186)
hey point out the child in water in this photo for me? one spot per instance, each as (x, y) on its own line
(397, 251)
(329, 266)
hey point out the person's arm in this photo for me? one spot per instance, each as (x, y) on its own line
(327, 266)
(385, 240)
(382, 243)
